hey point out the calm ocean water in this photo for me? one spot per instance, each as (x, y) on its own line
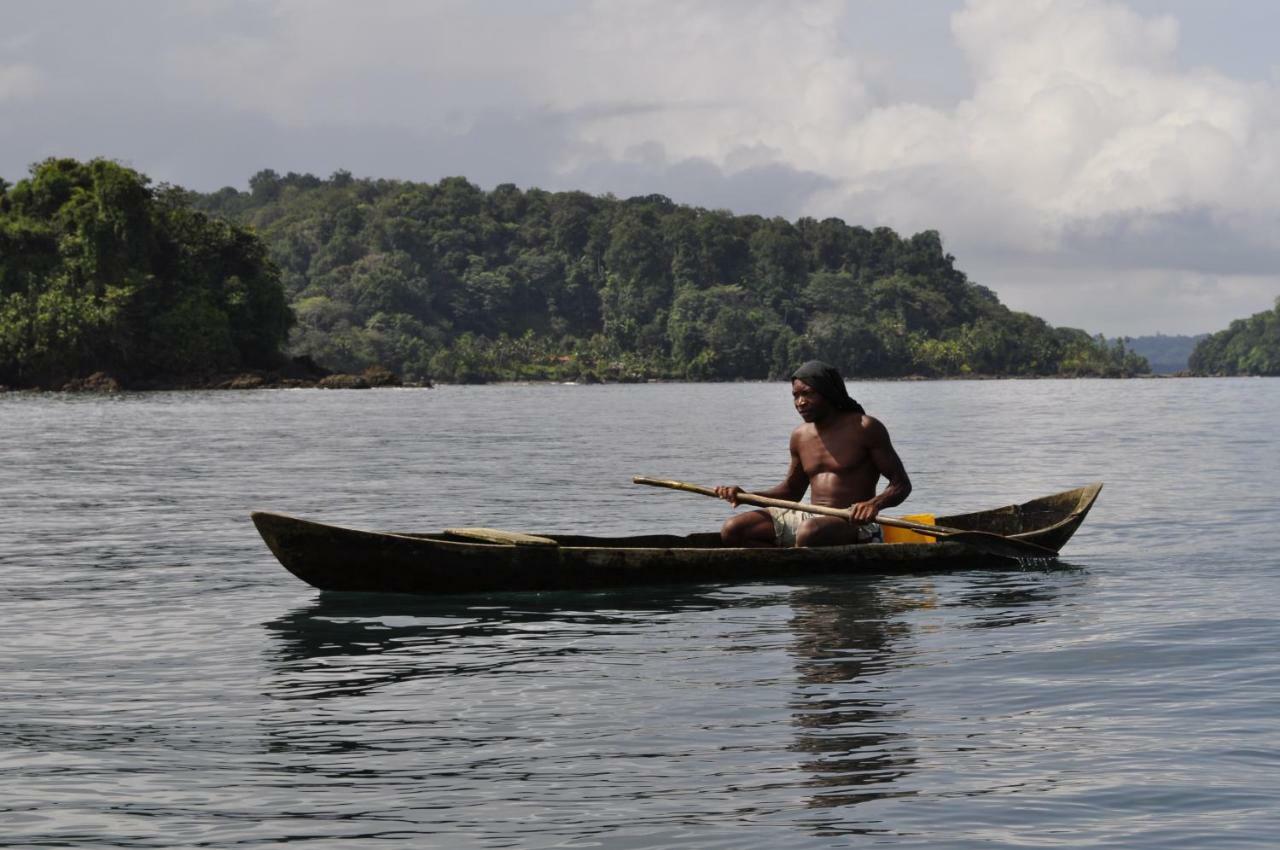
(165, 683)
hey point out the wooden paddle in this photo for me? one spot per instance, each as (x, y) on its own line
(995, 544)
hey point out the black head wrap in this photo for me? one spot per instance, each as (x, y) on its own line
(827, 381)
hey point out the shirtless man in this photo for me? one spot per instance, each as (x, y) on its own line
(840, 452)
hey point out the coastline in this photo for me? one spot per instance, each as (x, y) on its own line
(101, 383)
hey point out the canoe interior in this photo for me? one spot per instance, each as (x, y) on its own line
(1048, 521)
(702, 540)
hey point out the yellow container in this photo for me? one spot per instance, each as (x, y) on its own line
(903, 535)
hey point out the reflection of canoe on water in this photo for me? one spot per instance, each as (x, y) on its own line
(476, 560)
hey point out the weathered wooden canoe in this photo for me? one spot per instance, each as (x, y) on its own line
(334, 558)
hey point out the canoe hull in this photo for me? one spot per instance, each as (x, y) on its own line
(1048, 521)
(335, 558)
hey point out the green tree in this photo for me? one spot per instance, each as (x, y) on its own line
(101, 272)
(543, 284)
(1247, 347)
(779, 267)
(637, 287)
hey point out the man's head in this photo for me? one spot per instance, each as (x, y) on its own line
(817, 389)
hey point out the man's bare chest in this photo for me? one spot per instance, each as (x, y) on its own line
(838, 456)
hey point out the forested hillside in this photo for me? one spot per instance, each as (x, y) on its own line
(1247, 347)
(102, 272)
(99, 272)
(449, 282)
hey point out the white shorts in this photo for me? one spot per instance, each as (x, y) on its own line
(786, 525)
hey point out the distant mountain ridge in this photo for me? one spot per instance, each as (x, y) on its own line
(1166, 354)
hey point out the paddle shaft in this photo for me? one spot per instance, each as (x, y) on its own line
(767, 502)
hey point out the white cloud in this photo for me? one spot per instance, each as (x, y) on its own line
(1079, 140)
(1078, 111)
(18, 82)
(728, 78)
(395, 63)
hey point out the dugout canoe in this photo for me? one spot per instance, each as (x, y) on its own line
(479, 560)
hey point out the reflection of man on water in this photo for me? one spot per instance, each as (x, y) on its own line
(855, 739)
(840, 453)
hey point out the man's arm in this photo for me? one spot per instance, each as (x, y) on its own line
(887, 463)
(792, 487)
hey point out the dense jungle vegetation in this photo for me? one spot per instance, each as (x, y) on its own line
(446, 281)
(1247, 347)
(101, 272)
(451, 282)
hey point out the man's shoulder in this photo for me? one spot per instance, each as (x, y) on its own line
(861, 425)
(859, 419)
(804, 429)
(873, 429)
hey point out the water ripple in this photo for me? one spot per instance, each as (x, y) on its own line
(166, 684)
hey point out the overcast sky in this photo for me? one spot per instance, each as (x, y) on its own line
(1108, 165)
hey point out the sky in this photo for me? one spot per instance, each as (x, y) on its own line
(1111, 165)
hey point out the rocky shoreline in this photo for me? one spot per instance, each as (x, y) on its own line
(379, 376)
(299, 373)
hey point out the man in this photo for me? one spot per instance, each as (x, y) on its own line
(839, 453)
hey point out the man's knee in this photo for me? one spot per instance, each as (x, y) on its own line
(741, 529)
(825, 531)
(735, 529)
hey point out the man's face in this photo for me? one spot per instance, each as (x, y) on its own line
(810, 404)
